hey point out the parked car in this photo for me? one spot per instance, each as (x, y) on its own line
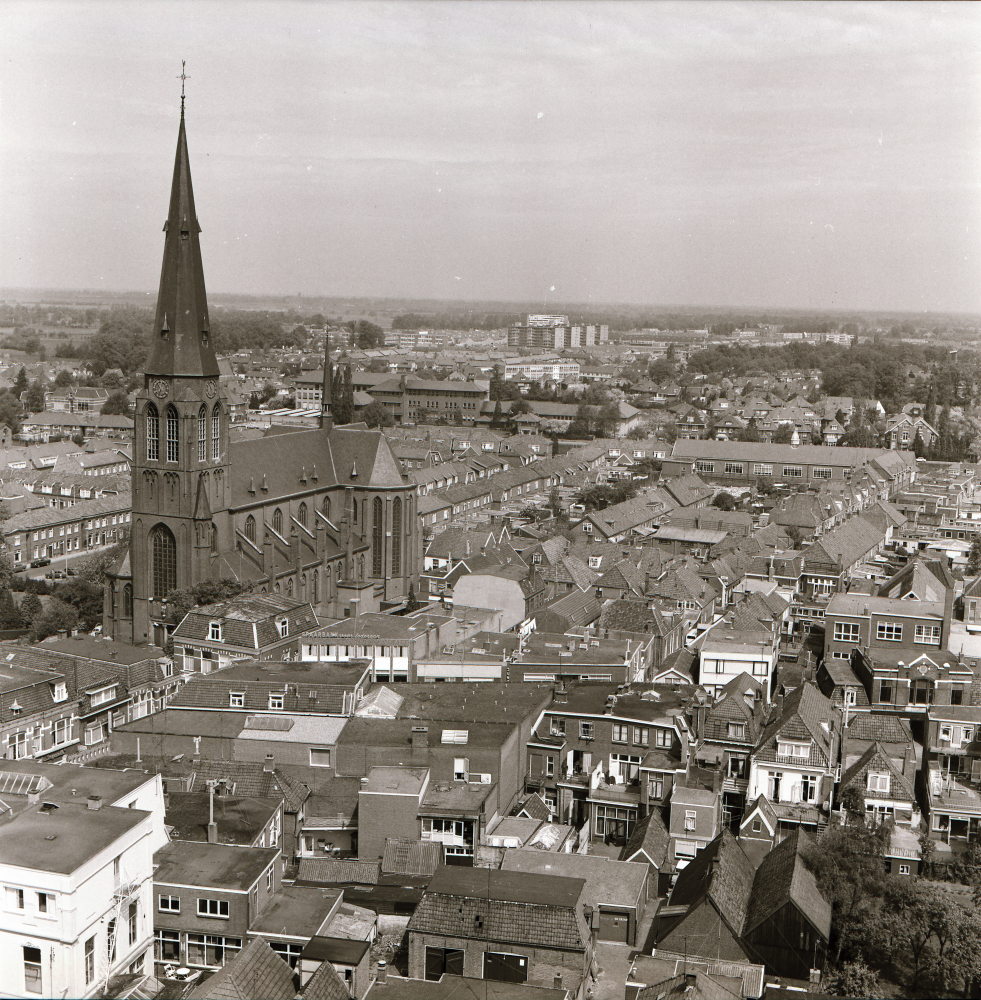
(36, 563)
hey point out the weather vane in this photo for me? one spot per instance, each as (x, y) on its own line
(182, 78)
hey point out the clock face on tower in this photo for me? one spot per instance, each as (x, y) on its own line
(160, 388)
(211, 388)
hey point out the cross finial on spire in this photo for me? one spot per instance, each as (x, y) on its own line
(182, 78)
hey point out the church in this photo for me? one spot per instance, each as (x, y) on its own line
(324, 516)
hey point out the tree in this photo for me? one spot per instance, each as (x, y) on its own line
(56, 617)
(121, 342)
(852, 801)
(86, 597)
(9, 612)
(411, 603)
(30, 608)
(974, 555)
(34, 399)
(207, 592)
(10, 410)
(21, 383)
(376, 414)
(853, 979)
(795, 534)
(94, 568)
(724, 501)
(496, 418)
(661, 370)
(118, 402)
(749, 432)
(63, 379)
(637, 434)
(112, 380)
(784, 434)
(555, 503)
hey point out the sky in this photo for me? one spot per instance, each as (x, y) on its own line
(767, 155)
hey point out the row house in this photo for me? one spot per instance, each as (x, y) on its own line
(38, 713)
(832, 560)
(76, 868)
(902, 431)
(727, 651)
(887, 623)
(208, 896)
(886, 791)
(509, 927)
(795, 763)
(726, 730)
(149, 678)
(909, 680)
(49, 533)
(606, 760)
(247, 627)
(628, 519)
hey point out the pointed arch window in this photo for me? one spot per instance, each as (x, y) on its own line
(326, 507)
(152, 434)
(277, 521)
(376, 537)
(202, 434)
(316, 587)
(397, 537)
(355, 507)
(214, 538)
(128, 601)
(250, 528)
(163, 548)
(173, 435)
(289, 587)
(301, 514)
(216, 432)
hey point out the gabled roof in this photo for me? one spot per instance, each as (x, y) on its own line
(648, 841)
(411, 857)
(783, 877)
(877, 759)
(804, 710)
(721, 872)
(256, 971)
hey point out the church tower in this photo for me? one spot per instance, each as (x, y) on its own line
(180, 452)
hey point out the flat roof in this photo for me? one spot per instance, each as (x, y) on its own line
(514, 887)
(63, 839)
(454, 987)
(333, 949)
(295, 911)
(396, 780)
(859, 605)
(369, 731)
(104, 649)
(490, 701)
(296, 671)
(13, 678)
(238, 818)
(213, 866)
(619, 883)
(375, 625)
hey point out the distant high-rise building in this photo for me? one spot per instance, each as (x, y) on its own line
(553, 333)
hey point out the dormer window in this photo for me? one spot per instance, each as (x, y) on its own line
(276, 701)
(214, 631)
(59, 691)
(802, 750)
(737, 730)
(283, 626)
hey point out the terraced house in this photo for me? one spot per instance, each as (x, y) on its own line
(49, 532)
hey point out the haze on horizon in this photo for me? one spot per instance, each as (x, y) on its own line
(770, 155)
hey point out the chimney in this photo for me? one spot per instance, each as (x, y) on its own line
(94, 802)
(383, 972)
(557, 981)
(212, 833)
(419, 740)
(269, 766)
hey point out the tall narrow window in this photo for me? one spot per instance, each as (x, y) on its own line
(202, 434)
(301, 514)
(152, 434)
(289, 587)
(164, 568)
(215, 432)
(128, 601)
(250, 528)
(326, 507)
(278, 521)
(396, 537)
(376, 537)
(173, 435)
(214, 538)
(316, 586)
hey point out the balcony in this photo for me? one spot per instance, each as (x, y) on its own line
(628, 795)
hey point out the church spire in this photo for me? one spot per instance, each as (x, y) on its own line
(326, 394)
(181, 337)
